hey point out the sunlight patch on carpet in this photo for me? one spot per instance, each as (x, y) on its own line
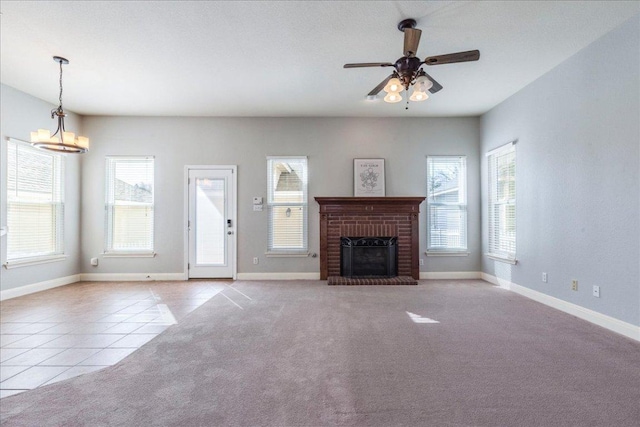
(416, 318)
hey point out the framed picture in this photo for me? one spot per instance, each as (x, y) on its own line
(368, 177)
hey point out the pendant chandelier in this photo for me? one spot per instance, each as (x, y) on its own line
(61, 140)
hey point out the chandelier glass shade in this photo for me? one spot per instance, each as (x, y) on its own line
(61, 140)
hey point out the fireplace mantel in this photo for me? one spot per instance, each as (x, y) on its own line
(369, 217)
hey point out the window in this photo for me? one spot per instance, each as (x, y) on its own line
(35, 203)
(446, 203)
(502, 202)
(129, 205)
(287, 204)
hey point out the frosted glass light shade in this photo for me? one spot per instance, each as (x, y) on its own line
(394, 86)
(68, 137)
(83, 142)
(393, 97)
(41, 135)
(423, 84)
(418, 96)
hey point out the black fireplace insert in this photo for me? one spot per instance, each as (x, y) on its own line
(368, 256)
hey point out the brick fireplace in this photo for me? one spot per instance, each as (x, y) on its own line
(369, 217)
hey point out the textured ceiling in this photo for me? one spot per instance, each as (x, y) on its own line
(285, 58)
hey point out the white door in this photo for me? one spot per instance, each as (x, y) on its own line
(211, 223)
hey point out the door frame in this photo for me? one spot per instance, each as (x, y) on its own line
(234, 214)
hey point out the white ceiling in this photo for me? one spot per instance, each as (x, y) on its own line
(285, 58)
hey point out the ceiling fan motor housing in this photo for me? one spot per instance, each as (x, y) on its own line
(407, 67)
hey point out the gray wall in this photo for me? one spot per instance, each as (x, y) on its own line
(577, 176)
(330, 143)
(19, 115)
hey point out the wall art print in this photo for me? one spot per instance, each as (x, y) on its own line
(368, 177)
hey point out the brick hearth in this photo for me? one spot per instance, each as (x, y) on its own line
(369, 217)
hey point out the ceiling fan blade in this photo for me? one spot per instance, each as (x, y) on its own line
(471, 55)
(369, 64)
(411, 41)
(376, 90)
(436, 86)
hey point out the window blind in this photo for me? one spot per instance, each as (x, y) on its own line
(287, 204)
(446, 203)
(502, 202)
(129, 206)
(35, 202)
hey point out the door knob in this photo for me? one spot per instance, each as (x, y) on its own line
(229, 232)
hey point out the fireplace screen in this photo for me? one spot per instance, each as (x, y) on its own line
(368, 256)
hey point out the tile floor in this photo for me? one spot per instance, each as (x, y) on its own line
(64, 332)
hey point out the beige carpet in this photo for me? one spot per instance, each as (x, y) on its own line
(302, 353)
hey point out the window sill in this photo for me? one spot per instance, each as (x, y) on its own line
(26, 262)
(447, 253)
(286, 254)
(511, 261)
(129, 254)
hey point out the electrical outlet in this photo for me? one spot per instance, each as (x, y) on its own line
(574, 285)
(421, 261)
(94, 262)
(596, 291)
(544, 277)
(256, 260)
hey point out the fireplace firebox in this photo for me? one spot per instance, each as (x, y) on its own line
(368, 257)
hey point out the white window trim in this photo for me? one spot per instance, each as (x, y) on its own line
(131, 254)
(38, 259)
(495, 256)
(500, 149)
(500, 258)
(123, 254)
(287, 254)
(451, 251)
(290, 253)
(26, 262)
(447, 253)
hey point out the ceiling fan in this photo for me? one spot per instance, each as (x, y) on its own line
(408, 69)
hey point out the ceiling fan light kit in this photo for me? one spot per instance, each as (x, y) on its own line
(61, 140)
(408, 69)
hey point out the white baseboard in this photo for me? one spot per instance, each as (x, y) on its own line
(443, 275)
(129, 277)
(505, 284)
(37, 287)
(278, 276)
(608, 322)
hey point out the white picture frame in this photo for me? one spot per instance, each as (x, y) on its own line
(368, 178)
